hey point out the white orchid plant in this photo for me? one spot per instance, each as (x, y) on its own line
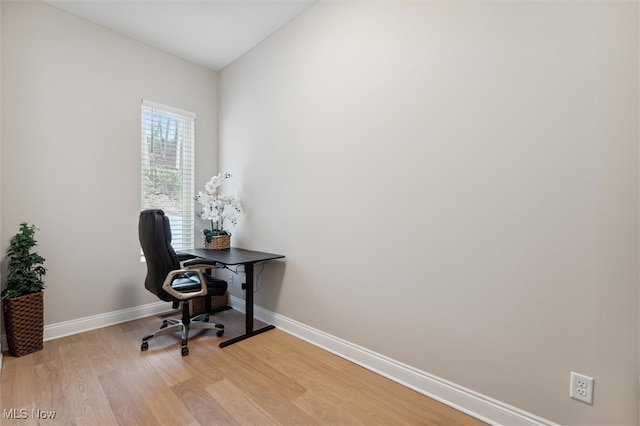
(220, 209)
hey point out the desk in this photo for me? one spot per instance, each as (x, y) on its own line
(247, 258)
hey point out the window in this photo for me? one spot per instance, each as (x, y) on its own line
(168, 138)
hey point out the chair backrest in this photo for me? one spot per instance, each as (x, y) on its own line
(154, 232)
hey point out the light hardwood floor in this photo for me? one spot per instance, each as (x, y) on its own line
(102, 378)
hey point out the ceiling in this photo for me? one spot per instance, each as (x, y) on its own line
(212, 33)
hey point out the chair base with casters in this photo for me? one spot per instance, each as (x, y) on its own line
(184, 324)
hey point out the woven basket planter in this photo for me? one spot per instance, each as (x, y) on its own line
(220, 242)
(24, 323)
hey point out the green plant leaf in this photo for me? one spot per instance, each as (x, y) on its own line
(24, 268)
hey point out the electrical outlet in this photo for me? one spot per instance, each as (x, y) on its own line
(581, 387)
(230, 277)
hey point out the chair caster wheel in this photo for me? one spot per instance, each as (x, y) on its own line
(144, 346)
(185, 351)
(219, 333)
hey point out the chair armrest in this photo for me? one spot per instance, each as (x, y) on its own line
(184, 256)
(198, 261)
(166, 285)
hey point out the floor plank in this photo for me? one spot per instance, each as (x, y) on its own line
(102, 378)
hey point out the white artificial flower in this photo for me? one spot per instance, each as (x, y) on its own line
(214, 204)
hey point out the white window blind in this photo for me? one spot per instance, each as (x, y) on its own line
(167, 169)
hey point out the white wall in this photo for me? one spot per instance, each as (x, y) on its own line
(455, 186)
(1, 269)
(71, 93)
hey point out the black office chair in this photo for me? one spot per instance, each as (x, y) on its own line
(173, 282)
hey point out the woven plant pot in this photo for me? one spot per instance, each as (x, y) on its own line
(220, 242)
(24, 323)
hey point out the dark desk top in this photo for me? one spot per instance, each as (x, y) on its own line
(232, 256)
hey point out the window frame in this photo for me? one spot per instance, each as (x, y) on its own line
(182, 227)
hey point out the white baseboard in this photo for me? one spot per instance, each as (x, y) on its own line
(68, 328)
(475, 404)
(93, 322)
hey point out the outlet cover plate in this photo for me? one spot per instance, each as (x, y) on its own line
(581, 387)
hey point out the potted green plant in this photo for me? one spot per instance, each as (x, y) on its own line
(23, 296)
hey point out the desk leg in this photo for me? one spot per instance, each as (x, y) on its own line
(248, 316)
